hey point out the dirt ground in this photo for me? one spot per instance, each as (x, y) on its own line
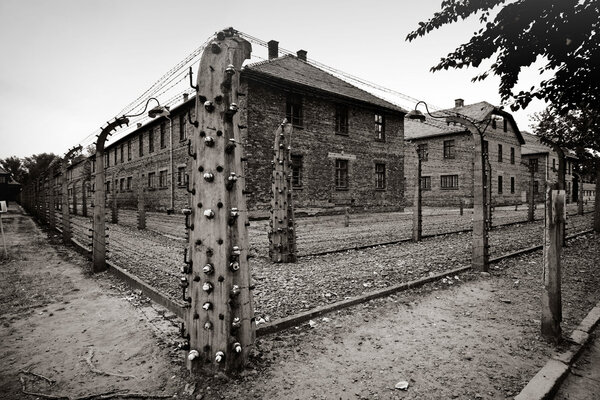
(53, 314)
(473, 336)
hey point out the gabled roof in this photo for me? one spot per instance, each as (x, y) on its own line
(291, 69)
(429, 128)
(484, 110)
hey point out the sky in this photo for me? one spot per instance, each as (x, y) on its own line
(68, 66)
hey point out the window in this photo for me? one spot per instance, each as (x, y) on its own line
(493, 123)
(449, 149)
(151, 179)
(129, 150)
(129, 182)
(505, 125)
(116, 155)
(449, 182)
(296, 170)
(533, 163)
(163, 141)
(380, 176)
(554, 164)
(2, 179)
(107, 186)
(141, 144)
(180, 176)
(151, 141)
(499, 153)
(536, 187)
(122, 150)
(512, 184)
(512, 155)
(182, 127)
(425, 183)
(341, 120)
(293, 110)
(106, 160)
(422, 151)
(93, 166)
(379, 127)
(499, 184)
(122, 184)
(341, 174)
(485, 147)
(162, 178)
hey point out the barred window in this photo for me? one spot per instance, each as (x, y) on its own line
(341, 120)
(181, 176)
(380, 176)
(182, 127)
(422, 151)
(129, 182)
(128, 150)
(341, 174)
(499, 153)
(141, 144)
(449, 150)
(512, 184)
(151, 179)
(163, 141)
(499, 184)
(425, 183)
(297, 170)
(162, 178)
(512, 155)
(534, 164)
(293, 110)
(449, 182)
(151, 141)
(379, 127)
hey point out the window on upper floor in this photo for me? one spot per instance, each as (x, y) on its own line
(449, 150)
(162, 178)
(423, 151)
(499, 184)
(512, 155)
(122, 184)
(151, 179)
(293, 110)
(380, 181)
(449, 181)
(106, 160)
(533, 163)
(129, 182)
(341, 119)
(341, 174)
(499, 153)
(180, 176)
(151, 141)
(425, 183)
(493, 123)
(297, 162)
(554, 164)
(379, 127)
(485, 147)
(116, 161)
(163, 140)
(182, 127)
(129, 150)
(122, 150)
(141, 144)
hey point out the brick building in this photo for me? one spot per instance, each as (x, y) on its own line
(9, 188)
(347, 145)
(447, 169)
(545, 164)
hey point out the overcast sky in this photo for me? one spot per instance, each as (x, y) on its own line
(68, 66)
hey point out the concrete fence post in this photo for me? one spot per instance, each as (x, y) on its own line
(417, 220)
(216, 285)
(114, 214)
(282, 236)
(551, 296)
(531, 203)
(84, 189)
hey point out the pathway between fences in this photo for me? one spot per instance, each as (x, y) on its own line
(155, 255)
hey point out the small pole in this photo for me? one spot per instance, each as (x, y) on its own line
(141, 205)
(417, 204)
(551, 296)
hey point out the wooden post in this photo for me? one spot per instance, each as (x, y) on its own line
(489, 207)
(220, 317)
(346, 216)
(417, 221)
(84, 187)
(551, 296)
(141, 206)
(462, 206)
(282, 233)
(114, 214)
(531, 203)
(99, 230)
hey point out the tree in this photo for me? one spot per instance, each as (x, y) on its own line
(14, 166)
(577, 129)
(563, 33)
(38, 164)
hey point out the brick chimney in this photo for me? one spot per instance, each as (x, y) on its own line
(273, 49)
(186, 96)
(459, 103)
(301, 55)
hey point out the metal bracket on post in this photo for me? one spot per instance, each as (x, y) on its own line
(282, 235)
(219, 310)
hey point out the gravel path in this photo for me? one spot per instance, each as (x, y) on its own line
(286, 289)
